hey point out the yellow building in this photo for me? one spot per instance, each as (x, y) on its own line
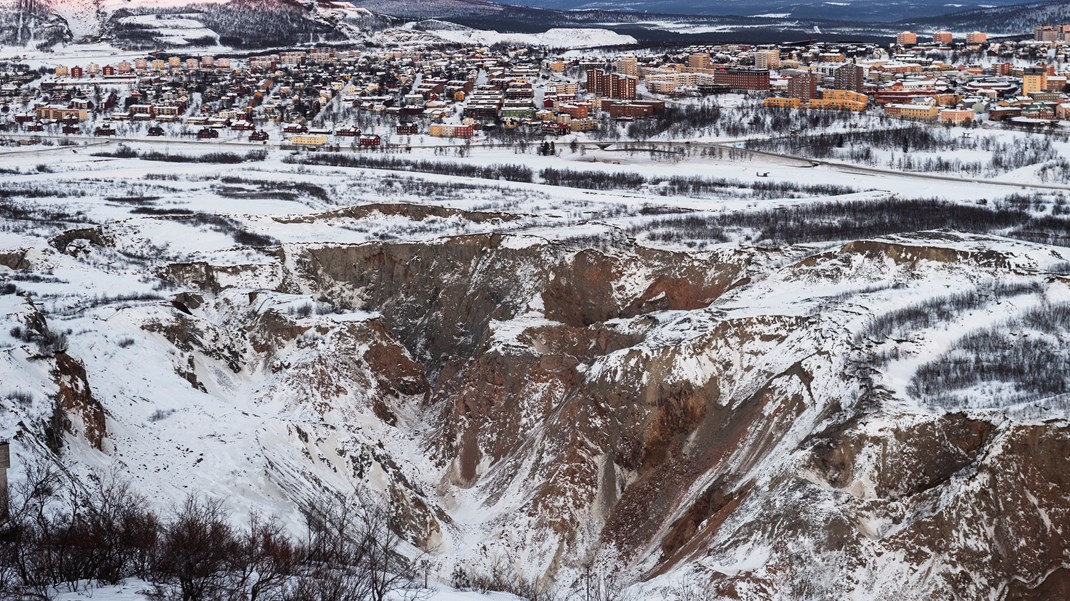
(627, 65)
(782, 103)
(1034, 79)
(59, 113)
(767, 59)
(699, 60)
(308, 140)
(845, 95)
(956, 116)
(947, 99)
(840, 100)
(835, 104)
(914, 112)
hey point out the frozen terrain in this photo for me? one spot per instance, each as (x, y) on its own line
(675, 390)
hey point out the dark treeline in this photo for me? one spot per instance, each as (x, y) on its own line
(58, 536)
(834, 221)
(125, 152)
(826, 145)
(683, 186)
(227, 226)
(587, 180)
(512, 173)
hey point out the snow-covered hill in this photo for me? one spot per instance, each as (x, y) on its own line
(539, 385)
(183, 23)
(552, 38)
(1019, 18)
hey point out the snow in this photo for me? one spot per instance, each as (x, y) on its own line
(551, 38)
(237, 440)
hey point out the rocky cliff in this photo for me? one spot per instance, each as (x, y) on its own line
(743, 420)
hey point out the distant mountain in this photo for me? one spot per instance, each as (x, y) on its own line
(844, 10)
(450, 9)
(1017, 19)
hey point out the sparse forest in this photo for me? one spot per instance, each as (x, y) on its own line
(832, 221)
(59, 536)
(927, 149)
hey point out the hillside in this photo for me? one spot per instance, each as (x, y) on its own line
(1013, 20)
(666, 390)
(150, 24)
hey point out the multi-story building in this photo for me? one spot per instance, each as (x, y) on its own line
(699, 60)
(803, 85)
(632, 110)
(782, 102)
(767, 59)
(943, 37)
(743, 79)
(627, 66)
(975, 38)
(917, 111)
(843, 100)
(611, 85)
(956, 116)
(438, 130)
(58, 113)
(906, 38)
(1050, 33)
(849, 77)
(1034, 79)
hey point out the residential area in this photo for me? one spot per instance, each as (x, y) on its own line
(366, 99)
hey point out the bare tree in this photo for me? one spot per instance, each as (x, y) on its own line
(21, 539)
(266, 558)
(196, 552)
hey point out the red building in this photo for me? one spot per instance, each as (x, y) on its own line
(632, 110)
(756, 80)
(849, 77)
(612, 85)
(803, 85)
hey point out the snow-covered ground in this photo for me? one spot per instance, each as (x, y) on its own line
(262, 422)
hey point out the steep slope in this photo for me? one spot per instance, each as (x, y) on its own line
(31, 23)
(533, 393)
(644, 412)
(177, 23)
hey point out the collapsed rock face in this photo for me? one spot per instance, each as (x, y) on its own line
(633, 411)
(75, 400)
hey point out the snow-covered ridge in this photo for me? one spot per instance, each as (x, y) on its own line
(552, 38)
